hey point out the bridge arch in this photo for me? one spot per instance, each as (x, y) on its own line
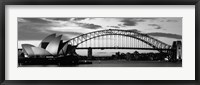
(157, 44)
(116, 34)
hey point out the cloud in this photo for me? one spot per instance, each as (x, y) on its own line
(60, 19)
(148, 18)
(132, 21)
(135, 30)
(78, 19)
(66, 19)
(35, 20)
(89, 26)
(167, 35)
(156, 26)
(128, 22)
(170, 20)
(114, 26)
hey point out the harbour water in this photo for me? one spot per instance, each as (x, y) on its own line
(124, 63)
(118, 63)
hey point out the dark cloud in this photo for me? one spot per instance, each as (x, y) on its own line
(139, 20)
(134, 30)
(78, 19)
(167, 35)
(132, 21)
(155, 25)
(114, 26)
(170, 20)
(143, 19)
(148, 18)
(67, 19)
(35, 20)
(129, 22)
(89, 26)
(60, 19)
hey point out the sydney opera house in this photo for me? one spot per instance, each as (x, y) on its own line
(51, 47)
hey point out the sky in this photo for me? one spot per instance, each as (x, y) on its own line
(33, 30)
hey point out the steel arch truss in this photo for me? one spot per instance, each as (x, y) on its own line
(134, 34)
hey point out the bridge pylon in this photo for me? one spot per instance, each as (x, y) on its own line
(89, 53)
(176, 52)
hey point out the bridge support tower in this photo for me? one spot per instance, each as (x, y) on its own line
(176, 51)
(89, 53)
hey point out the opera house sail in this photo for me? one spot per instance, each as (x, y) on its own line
(48, 47)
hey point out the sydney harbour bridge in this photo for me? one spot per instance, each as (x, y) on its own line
(53, 49)
(120, 39)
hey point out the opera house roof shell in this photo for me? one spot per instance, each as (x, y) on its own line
(51, 45)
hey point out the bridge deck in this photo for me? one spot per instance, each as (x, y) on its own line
(121, 48)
